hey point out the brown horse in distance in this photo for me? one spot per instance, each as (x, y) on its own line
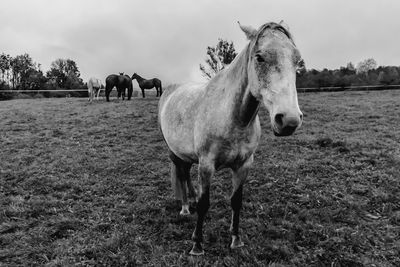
(148, 84)
(121, 82)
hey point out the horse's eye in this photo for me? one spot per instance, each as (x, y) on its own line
(259, 58)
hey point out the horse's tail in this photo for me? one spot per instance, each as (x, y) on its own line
(160, 87)
(180, 176)
(178, 184)
(90, 89)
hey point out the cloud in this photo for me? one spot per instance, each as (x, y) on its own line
(168, 39)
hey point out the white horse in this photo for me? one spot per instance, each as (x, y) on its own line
(217, 126)
(94, 86)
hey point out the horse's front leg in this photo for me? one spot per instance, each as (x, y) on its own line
(238, 179)
(143, 93)
(206, 171)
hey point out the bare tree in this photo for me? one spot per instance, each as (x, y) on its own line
(65, 73)
(366, 65)
(5, 66)
(21, 66)
(218, 58)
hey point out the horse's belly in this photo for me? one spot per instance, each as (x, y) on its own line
(179, 141)
(177, 115)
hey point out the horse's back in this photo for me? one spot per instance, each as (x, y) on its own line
(181, 95)
(94, 83)
(156, 82)
(165, 96)
(111, 80)
(124, 81)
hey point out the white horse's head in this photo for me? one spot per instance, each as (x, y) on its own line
(273, 61)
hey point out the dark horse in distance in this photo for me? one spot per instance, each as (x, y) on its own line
(120, 81)
(148, 84)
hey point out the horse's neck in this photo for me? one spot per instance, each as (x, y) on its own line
(139, 78)
(245, 105)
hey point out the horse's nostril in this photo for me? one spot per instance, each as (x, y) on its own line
(301, 117)
(279, 119)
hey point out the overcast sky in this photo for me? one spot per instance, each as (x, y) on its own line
(168, 38)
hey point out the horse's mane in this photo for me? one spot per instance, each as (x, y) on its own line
(138, 77)
(274, 26)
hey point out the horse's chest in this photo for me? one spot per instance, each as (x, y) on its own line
(233, 149)
(234, 154)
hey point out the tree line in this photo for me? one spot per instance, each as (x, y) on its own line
(364, 73)
(22, 73)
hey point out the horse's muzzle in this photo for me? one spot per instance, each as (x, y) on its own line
(286, 125)
(286, 131)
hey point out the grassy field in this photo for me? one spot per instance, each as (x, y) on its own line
(88, 185)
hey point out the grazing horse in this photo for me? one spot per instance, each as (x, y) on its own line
(148, 84)
(217, 126)
(94, 86)
(120, 81)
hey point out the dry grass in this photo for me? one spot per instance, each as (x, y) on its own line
(87, 185)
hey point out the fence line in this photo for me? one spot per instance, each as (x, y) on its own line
(43, 91)
(349, 88)
(300, 90)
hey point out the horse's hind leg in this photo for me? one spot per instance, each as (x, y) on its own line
(130, 90)
(97, 94)
(239, 177)
(206, 171)
(180, 179)
(192, 192)
(107, 92)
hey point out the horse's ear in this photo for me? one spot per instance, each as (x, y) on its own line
(284, 25)
(250, 32)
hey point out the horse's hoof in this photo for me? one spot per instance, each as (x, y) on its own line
(184, 212)
(197, 250)
(236, 242)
